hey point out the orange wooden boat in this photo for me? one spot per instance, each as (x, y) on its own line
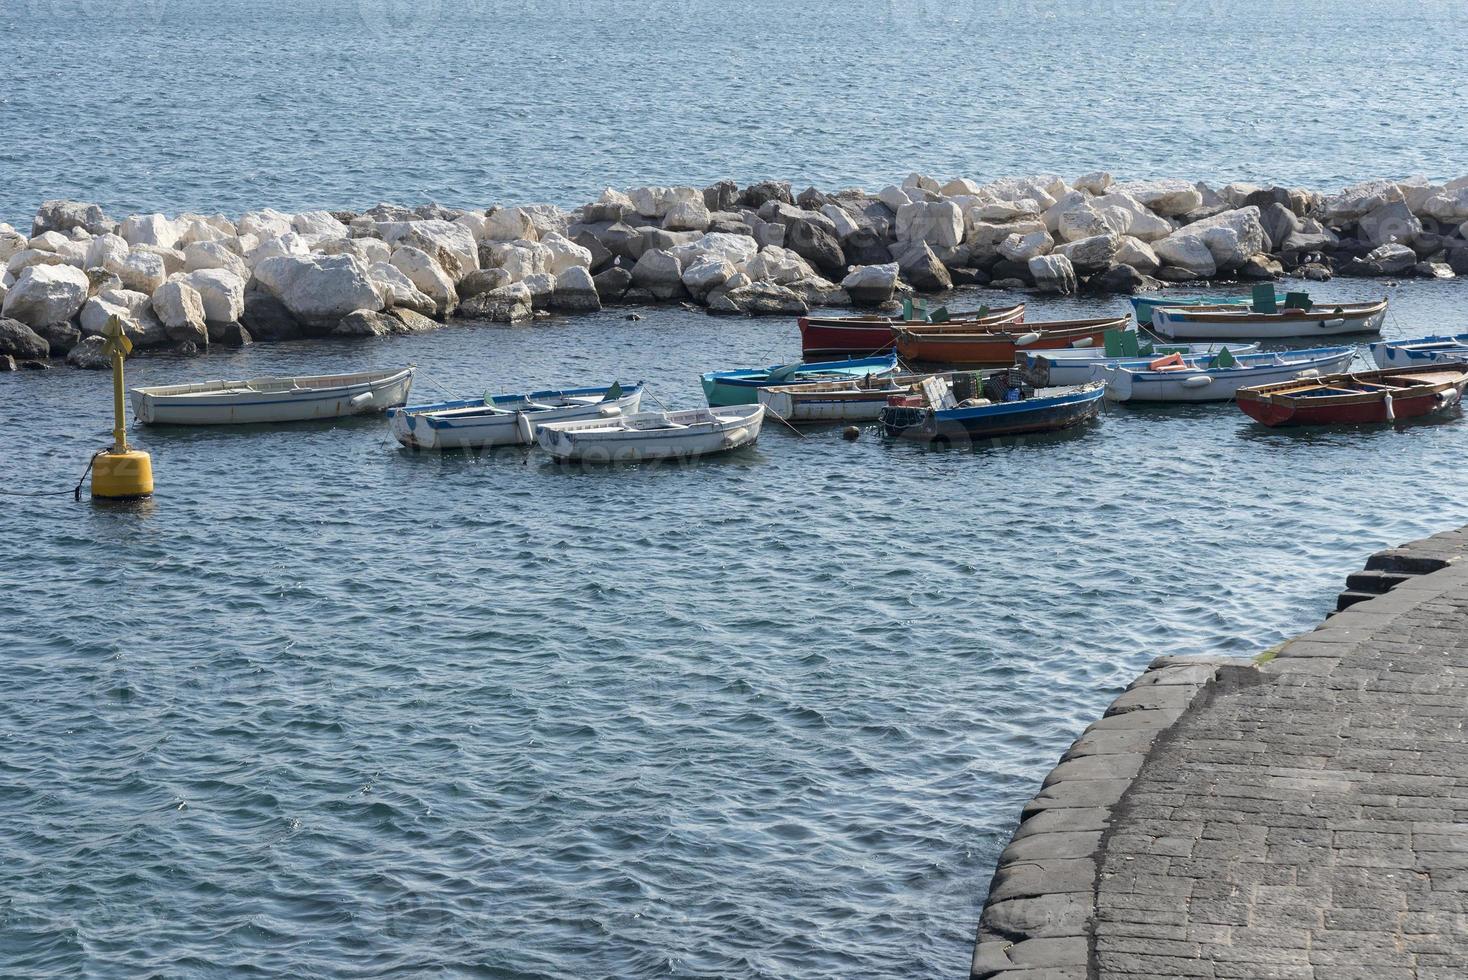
(963, 344)
(838, 337)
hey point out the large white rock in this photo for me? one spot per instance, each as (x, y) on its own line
(564, 254)
(1093, 183)
(1390, 223)
(26, 258)
(1360, 199)
(509, 225)
(1417, 191)
(984, 238)
(1165, 197)
(318, 290)
(46, 294)
(427, 276)
(1187, 252)
(475, 223)
(735, 249)
(1044, 191)
(1137, 254)
(1022, 248)
(223, 292)
(687, 216)
(656, 202)
(872, 285)
(707, 274)
(1392, 258)
(778, 265)
(520, 260)
(846, 225)
(133, 309)
(180, 309)
(922, 182)
(542, 287)
(547, 218)
(149, 229)
(142, 271)
(1084, 221)
(452, 246)
(319, 224)
(959, 186)
(198, 228)
(1094, 254)
(49, 241)
(397, 290)
(940, 223)
(1231, 236)
(1053, 274)
(898, 198)
(1449, 205)
(269, 248)
(1132, 217)
(214, 255)
(575, 290)
(1000, 211)
(266, 224)
(657, 269)
(107, 252)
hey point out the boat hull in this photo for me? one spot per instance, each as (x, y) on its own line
(1040, 413)
(839, 337)
(1080, 367)
(419, 427)
(1222, 384)
(1145, 306)
(726, 389)
(266, 401)
(1358, 399)
(567, 442)
(1324, 321)
(941, 345)
(1419, 352)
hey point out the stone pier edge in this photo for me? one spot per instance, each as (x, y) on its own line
(1039, 915)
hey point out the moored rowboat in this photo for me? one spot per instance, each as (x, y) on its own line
(857, 400)
(741, 387)
(863, 336)
(1242, 323)
(265, 400)
(653, 435)
(944, 421)
(960, 345)
(1145, 306)
(1214, 381)
(1419, 351)
(506, 420)
(1074, 367)
(1355, 399)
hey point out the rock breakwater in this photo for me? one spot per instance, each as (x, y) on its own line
(185, 282)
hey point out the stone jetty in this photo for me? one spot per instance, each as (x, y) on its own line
(186, 282)
(1304, 817)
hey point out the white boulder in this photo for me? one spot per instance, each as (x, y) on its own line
(1053, 274)
(142, 271)
(180, 309)
(846, 226)
(283, 245)
(939, 224)
(318, 290)
(1449, 205)
(872, 285)
(214, 255)
(1022, 248)
(658, 271)
(778, 265)
(107, 252)
(1166, 197)
(11, 242)
(397, 290)
(1186, 251)
(1231, 236)
(687, 216)
(1361, 199)
(706, 274)
(133, 308)
(149, 229)
(1094, 183)
(452, 246)
(1094, 254)
(266, 224)
(424, 272)
(575, 290)
(509, 225)
(1138, 254)
(46, 294)
(319, 224)
(222, 292)
(564, 254)
(898, 198)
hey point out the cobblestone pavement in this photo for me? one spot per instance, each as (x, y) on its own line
(1308, 819)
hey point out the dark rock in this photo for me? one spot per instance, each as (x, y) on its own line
(1458, 260)
(35, 365)
(436, 212)
(865, 248)
(7, 363)
(766, 233)
(89, 355)
(756, 195)
(1264, 198)
(503, 305)
(63, 216)
(761, 299)
(21, 342)
(1391, 223)
(623, 241)
(921, 268)
(638, 296)
(1279, 224)
(228, 334)
(1120, 279)
(482, 281)
(411, 321)
(364, 323)
(1171, 273)
(266, 318)
(1260, 267)
(1009, 269)
(812, 199)
(345, 217)
(1428, 244)
(601, 256)
(612, 284)
(969, 277)
(389, 212)
(721, 196)
(60, 337)
(598, 212)
(816, 245)
(633, 316)
(666, 240)
(187, 348)
(1316, 272)
(729, 223)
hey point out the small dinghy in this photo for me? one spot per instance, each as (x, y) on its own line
(1074, 367)
(1419, 351)
(858, 400)
(846, 336)
(742, 387)
(1357, 399)
(264, 400)
(1173, 379)
(960, 344)
(506, 420)
(1145, 306)
(653, 435)
(1243, 323)
(1001, 408)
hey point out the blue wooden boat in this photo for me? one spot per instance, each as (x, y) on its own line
(742, 387)
(943, 421)
(1439, 349)
(1145, 305)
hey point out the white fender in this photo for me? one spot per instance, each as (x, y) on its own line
(359, 401)
(1391, 415)
(524, 429)
(1197, 381)
(1024, 340)
(1084, 342)
(1327, 324)
(609, 411)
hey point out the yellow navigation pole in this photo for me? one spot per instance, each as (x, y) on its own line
(120, 473)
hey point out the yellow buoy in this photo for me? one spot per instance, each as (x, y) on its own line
(120, 473)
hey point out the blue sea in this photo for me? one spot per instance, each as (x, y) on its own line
(324, 707)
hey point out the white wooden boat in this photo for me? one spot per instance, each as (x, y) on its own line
(263, 400)
(855, 400)
(653, 435)
(1199, 383)
(1077, 367)
(1242, 323)
(506, 420)
(1419, 351)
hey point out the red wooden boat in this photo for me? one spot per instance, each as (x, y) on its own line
(838, 337)
(964, 345)
(1357, 399)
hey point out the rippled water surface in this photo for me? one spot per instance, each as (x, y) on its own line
(229, 105)
(326, 707)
